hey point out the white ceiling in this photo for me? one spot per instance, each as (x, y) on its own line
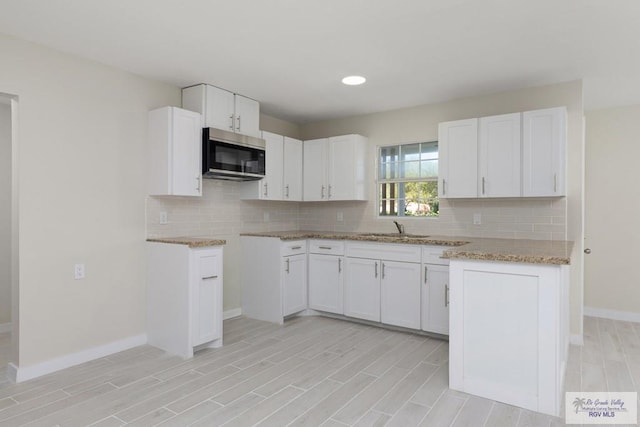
(291, 54)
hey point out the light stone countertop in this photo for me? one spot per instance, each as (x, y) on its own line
(192, 242)
(555, 252)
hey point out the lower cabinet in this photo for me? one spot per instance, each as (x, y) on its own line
(326, 278)
(184, 297)
(274, 280)
(435, 291)
(362, 290)
(400, 294)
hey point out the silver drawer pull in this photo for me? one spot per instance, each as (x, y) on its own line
(446, 295)
(425, 274)
(325, 247)
(293, 248)
(210, 277)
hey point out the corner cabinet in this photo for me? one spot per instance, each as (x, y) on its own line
(274, 285)
(222, 109)
(184, 297)
(174, 153)
(335, 168)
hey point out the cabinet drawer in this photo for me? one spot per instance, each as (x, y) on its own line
(390, 251)
(328, 247)
(432, 254)
(294, 247)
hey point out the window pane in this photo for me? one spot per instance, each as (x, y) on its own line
(410, 152)
(429, 168)
(429, 150)
(410, 170)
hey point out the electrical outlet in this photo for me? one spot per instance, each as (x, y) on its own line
(164, 219)
(340, 217)
(477, 219)
(78, 271)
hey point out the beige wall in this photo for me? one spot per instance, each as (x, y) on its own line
(612, 210)
(5, 213)
(536, 219)
(82, 135)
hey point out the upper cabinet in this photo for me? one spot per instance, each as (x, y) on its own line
(222, 109)
(283, 174)
(544, 140)
(175, 152)
(335, 168)
(510, 155)
(458, 158)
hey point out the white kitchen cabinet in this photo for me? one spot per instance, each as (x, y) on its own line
(174, 152)
(274, 279)
(400, 294)
(326, 278)
(499, 156)
(362, 289)
(544, 144)
(292, 169)
(458, 159)
(222, 109)
(184, 297)
(509, 333)
(335, 168)
(435, 299)
(383, 283)
(270, 187)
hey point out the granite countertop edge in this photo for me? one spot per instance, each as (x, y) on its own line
(192, 242)
(551, 252)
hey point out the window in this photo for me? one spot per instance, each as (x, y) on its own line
(408, 180)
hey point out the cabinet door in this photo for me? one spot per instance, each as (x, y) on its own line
(362, 289)
(400, 294)
(271, 184)
(186, 152)
(219, 108)
(292, 169)
(315, 169)
(294, 295)
(341, 167)
(499, 153)
(435, 299)
(544, 151)
(247, 114)
(325, 283)
(207, 298)
(458, 159)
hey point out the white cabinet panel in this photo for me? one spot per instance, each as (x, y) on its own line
(247, 115)
(326, 292)
(271, 184)
(294, 284)
(362, 289)
(400, 294)
(315, 154)
(499, 153)
(458, 159)
(174, 152)
(207, 298)
(292, 169)
(219, 108)
(435, 299)
(544, 152)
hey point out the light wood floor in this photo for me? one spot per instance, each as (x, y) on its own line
(311, 371)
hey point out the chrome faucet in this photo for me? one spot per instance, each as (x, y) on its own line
(399, 226)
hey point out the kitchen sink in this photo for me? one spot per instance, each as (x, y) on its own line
(396, 235)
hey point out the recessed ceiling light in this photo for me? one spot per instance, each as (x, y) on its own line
(353, 80)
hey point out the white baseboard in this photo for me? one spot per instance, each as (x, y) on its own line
(12, 372)
(576, 339)
(232, 313)
(20, 374)
(612, 314)
(5, 327)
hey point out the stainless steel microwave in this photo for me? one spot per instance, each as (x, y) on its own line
(232, 156)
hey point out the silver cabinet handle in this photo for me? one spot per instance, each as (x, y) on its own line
(210, 277)
(231, 126)
(376, 271)
(322, 192)
(383, 270)
(339, 265)
(293, 248)
(425, 274)
(328, 248)
(266, 189)
(446, 295)
(587, 251)
(483, 185)
(555, 182)
(287, 267)
(444, 187)
(199, 180)
(238, 128)
(329, 192)
(286, 191)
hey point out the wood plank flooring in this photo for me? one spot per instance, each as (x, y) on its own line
(312, 371)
